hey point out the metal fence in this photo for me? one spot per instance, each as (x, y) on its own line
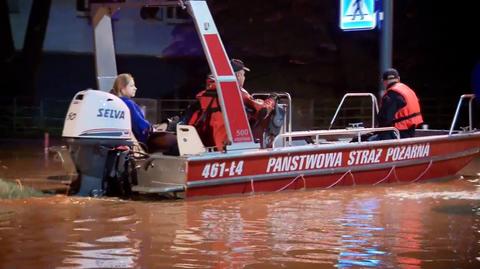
(19, 118)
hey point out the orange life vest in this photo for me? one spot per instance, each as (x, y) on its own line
(410, 114)
(208, 120)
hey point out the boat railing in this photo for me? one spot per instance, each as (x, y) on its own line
(470, 98)
(374, 106)
(317, 135)
(287, 121)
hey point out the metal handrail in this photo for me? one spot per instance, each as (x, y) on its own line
(457, 111)
(374, 106)
(288, 119)
(320, 133)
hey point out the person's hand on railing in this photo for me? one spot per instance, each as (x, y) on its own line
(275, 96)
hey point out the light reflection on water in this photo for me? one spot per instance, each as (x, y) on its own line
(358, 245)
(430, 225)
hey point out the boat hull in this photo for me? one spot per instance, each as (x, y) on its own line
(328, 166)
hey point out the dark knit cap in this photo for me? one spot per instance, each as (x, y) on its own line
(390, 73)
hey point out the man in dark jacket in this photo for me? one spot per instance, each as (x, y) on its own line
(399, 108)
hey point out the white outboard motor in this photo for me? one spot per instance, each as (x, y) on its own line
(96, 124)
(99, 115)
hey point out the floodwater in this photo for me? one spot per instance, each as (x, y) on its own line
(421, 225)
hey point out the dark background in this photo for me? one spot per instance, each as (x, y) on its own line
(290, 45)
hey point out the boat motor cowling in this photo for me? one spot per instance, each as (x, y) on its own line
(98, 132)
(97, 114)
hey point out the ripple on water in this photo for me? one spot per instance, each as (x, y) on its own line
(114, 239)
(410, 226)
(445, 195)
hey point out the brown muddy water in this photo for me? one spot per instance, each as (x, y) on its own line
(423, 225)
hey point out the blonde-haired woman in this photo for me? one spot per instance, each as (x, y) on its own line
(124, 87)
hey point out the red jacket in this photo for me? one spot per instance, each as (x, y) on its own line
(208, 120)
(410, 114)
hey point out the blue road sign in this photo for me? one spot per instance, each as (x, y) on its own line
(357, 15)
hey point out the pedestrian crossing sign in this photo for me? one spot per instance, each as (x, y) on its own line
(357, 15)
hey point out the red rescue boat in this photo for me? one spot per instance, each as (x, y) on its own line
(294, 160)
(328, 160)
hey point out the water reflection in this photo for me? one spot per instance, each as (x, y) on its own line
(100, 258)
(359, 246)
(432, 225)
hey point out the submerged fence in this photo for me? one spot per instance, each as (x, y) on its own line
(19, 118)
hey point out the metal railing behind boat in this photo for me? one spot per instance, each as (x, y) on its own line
(317, 134)
(374, 106)
(470, 98)
(287, 121)
(358, 132)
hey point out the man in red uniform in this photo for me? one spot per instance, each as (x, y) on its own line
(208, 119)
(399, 107)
